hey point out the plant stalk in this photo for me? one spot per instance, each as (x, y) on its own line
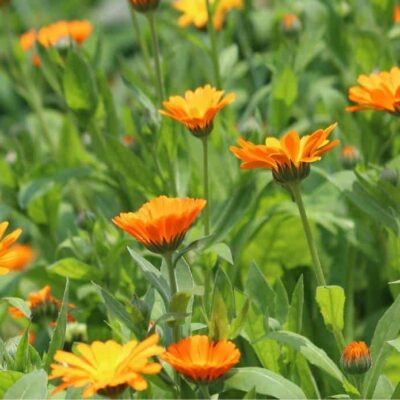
(206, 186)
(174, 289)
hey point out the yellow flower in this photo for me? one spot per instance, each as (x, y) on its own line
(8, 257)
(197, 109)
(107, 368)
(195, 12)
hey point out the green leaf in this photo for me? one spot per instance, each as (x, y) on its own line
(331, 303)
(219, 322)
(29, 386)
(239, 322)
(74, 269)
(115, 308)
(223, 251)
(191, 246)
(295, 314)
(152, 274)
(20, 304)
(281, 302)
(179, 302)
(21, 358)
(58, 337)
(313, 354)
(395, 344)
(265, 382)
(387, 329)
(396, 393)
(7, 379)
(79, 84)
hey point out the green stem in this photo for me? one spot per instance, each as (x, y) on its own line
(295, 188)
(174, 289)
(349, 306)
(206, 186)
(214, 47)
(204, 391)
(38, 109)
(156, 54)
(142, 43)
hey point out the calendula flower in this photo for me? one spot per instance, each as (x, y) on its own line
(8, 257)
(107, 368)
(396, 14)
(350, 156)
(290, 23)
(161, 224)
(197, 109)
(290, 157)
(200, 359)
(42, 305)
(144, 5)
(194, 12)
(356, 358)
(60, 33)
(380, 91)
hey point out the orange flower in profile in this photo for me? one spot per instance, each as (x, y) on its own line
(201, 359)
(60, 33)
(107, 368)
(197, 109)
(396, 14)
(8, 257)
(20, 256)
(380, 91)
(356, 358)
(194, 12)
(290, 157)
(144, 5)
(161, 224)
(42, 305)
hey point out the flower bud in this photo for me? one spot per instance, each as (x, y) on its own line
(390, 175)
(144, 6)
(356, 358)
(350, 157)
(290, 24)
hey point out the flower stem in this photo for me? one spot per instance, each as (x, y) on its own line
(156, 54)
(349, 306)
(204, 391)
(173, 287)
(295, 189)
(214, 47)
(206, 186)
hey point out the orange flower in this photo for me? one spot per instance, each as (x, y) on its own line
(107, 367)
(42, 305)
(20, 256)
(144, 5)
(197, 109)
(195, 12)
(289, 158)
(396, 14)
(8, 257)
(380, 91)
(161, 224)
(200, 359)
(356, 358)
(56, 34)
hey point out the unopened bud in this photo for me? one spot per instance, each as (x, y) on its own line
(356, 358)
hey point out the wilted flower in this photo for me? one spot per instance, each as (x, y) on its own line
(60, 34)
(356, 358)
(107, 368)
(42, 305)
(290, 157)
(290, 23)
(144, 5)
(201, 359)
(161, 224)
(350, 156)
(380, 91)
(195, 12)
(197, 109)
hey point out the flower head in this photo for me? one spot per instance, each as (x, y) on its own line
(379, 91)
(396, 14)
(144, 5)
(42, 305)
(195, 12)
(350, 156)
(356, 358)
(290, 157)
(60, 33)
(107, 367)
(201, 359)
(161, 224)
(9, 257)
(197, 109)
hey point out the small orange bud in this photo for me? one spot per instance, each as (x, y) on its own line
(350, 156)
(290, 23)
(144, 6)
(356, 358)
